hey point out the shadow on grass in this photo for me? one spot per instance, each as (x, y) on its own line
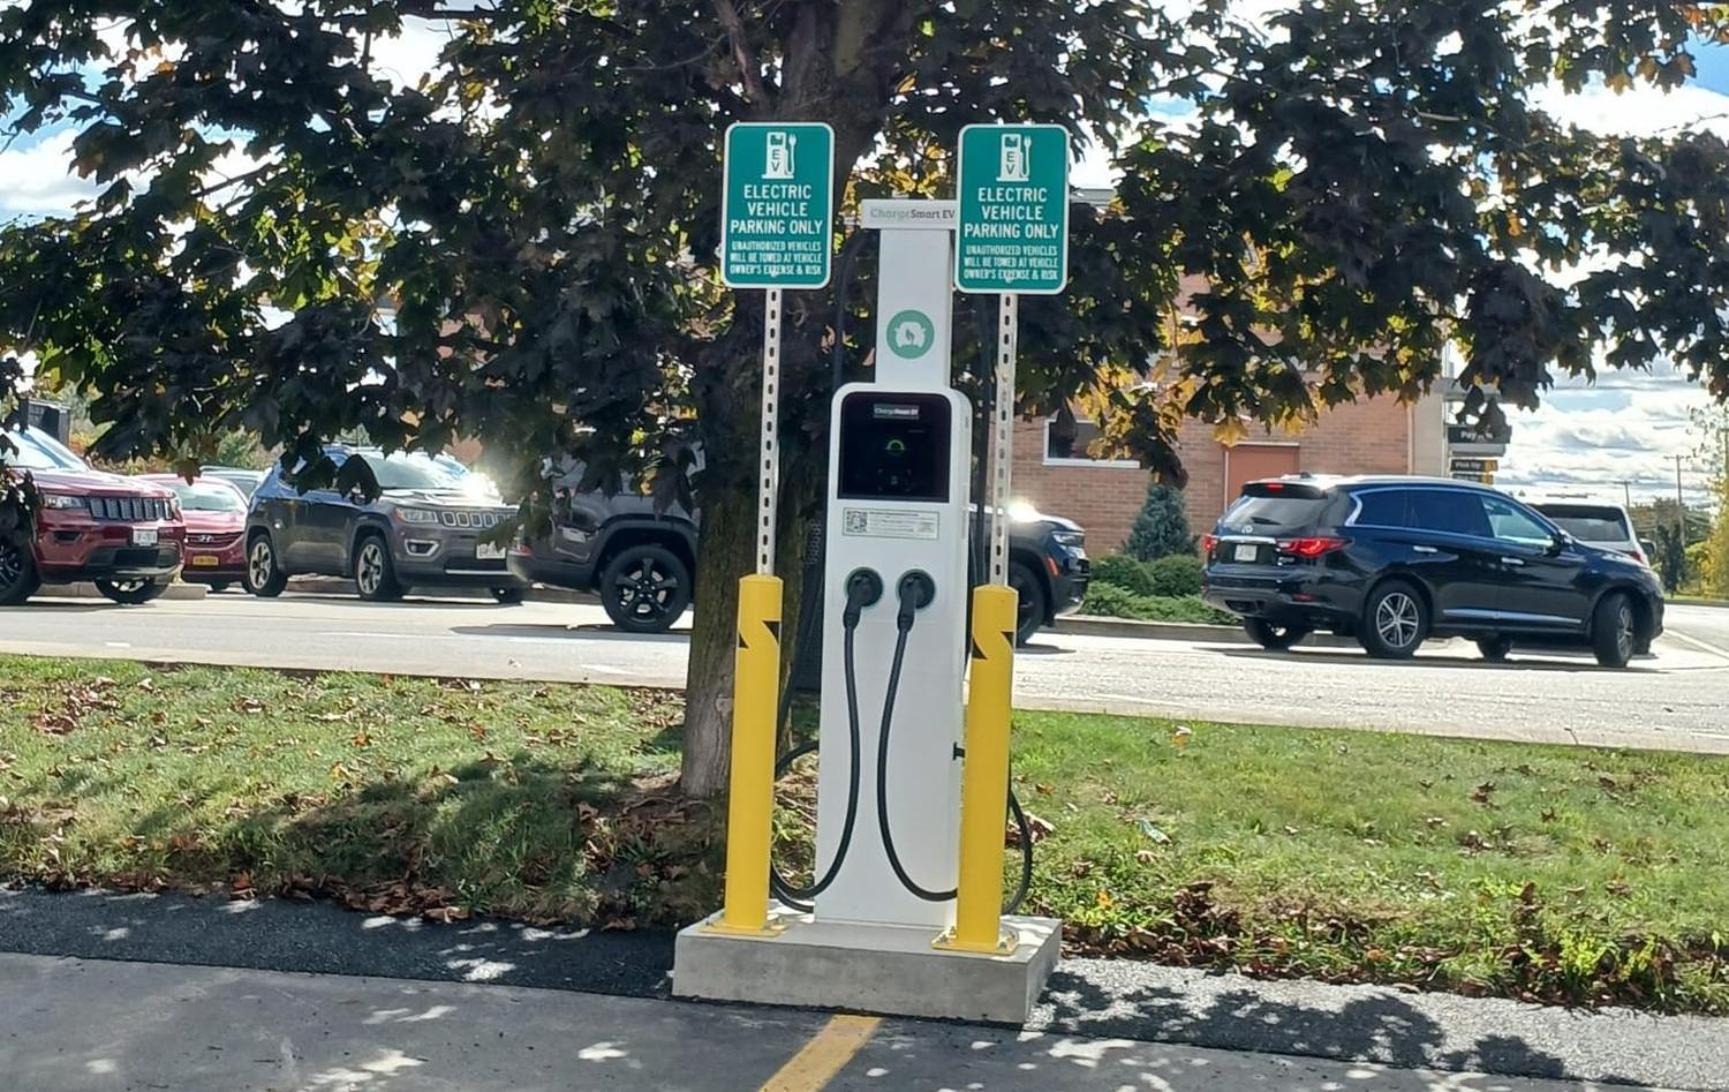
(575, 844)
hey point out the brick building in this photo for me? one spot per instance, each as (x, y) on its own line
(1370, 436)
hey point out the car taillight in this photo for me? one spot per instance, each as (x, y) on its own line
(1638, 555)
(1207, 544)
(1312, 547)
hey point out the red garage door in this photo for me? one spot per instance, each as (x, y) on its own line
(1248, 462)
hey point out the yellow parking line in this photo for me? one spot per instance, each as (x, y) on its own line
(825, 1055)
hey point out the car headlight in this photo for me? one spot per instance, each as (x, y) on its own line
(61, 500)
(1072, 539)
(417, 515)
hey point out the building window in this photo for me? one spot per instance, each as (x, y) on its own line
(1073, 450)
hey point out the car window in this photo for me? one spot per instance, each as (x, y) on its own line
(1589, 523)
(1256, 514)
(1512, 523)
(33, 450)
(1450, 511)
(207, 497)
(1383, 508)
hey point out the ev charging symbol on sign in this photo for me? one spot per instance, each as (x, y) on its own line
(911, 334)
(777, 208)
(1012, 233)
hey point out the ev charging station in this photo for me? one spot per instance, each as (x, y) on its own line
(904, 913)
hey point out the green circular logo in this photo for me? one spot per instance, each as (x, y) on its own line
(911, 334)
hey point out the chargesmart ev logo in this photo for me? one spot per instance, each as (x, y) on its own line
(910, 334)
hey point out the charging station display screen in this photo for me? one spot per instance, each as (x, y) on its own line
(895, 447)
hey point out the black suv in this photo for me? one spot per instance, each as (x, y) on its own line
(1395, 561)
(432, 525)
(641, 561)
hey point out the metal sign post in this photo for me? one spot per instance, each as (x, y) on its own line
(777, 232)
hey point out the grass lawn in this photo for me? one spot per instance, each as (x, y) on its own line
(1545, 872)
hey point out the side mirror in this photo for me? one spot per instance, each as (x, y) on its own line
(1559, 542)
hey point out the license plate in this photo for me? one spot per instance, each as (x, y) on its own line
(204, 561)
(144, 536)
(1247, 551)
(486, 551)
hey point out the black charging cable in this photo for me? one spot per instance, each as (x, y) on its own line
(863, 589)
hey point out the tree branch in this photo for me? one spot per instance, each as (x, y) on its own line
(749, 69)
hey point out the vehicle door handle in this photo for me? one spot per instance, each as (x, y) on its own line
(1424, 550)
(1516, 562)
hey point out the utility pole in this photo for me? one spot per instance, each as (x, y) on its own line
(1627, 493)
(1680, 505)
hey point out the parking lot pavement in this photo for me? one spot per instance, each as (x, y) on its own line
(1672, 700)
(69, 1024)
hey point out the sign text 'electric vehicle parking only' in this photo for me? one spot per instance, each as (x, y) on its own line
(777, 213)
(1013, 229)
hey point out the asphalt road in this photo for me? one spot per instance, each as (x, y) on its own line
(165, 991)
(1672, 700)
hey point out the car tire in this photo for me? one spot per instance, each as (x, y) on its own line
(375, 570)
(508, 597)
(1030, 605)
(1615, 630)
(220, 586)
(1271, 637)
(264, 575)
(131, 593)
(1495, 649)
(645, 589)
(1395, 621)
(18, 579)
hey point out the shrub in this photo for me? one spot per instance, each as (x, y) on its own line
(1162, 528)
(1177, 575)
(1113, 601)
(1123, 571)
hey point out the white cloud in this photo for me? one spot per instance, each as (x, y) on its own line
(1638, 111)
(36, 179)
(406, 58)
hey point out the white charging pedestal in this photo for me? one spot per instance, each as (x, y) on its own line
(898, 500)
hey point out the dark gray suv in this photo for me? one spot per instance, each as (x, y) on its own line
(433, 525)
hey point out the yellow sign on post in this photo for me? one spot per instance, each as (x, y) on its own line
(750, 807)
(985, 777)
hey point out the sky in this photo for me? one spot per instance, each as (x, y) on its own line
(1584, 438)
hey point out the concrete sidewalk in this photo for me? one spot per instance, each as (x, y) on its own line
(68, 1024)
(1124, 1004)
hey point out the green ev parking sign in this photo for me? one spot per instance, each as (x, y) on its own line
(1012, 233)
(777, 209)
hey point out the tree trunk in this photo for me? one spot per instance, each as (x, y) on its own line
(726, 550)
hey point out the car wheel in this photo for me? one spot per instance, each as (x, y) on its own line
(1030, 604)
(645, 588)
(510, 597)
(220, 586)
(131, 593)
(1614, 630)
(1395, 621)
(1495, 649)
(264, 577)
(375, 571)
(1275, 638)
(18, 580)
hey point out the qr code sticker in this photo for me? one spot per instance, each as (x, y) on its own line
(855, 522)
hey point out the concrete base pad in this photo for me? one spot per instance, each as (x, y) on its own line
(867, 968)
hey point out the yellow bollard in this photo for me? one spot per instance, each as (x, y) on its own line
(755, 689)
(985, 778)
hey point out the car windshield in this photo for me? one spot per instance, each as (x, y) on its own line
(35, 450)
(1589, 523)
(412, 472)
(207, 497)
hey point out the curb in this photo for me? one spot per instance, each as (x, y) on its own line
(176, 590)
(331, 585)
(1096, 626)
(1694, 601)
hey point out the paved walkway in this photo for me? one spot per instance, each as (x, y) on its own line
(68, 1024)
(156, 983)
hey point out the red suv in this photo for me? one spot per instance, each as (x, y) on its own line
(124, 534)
